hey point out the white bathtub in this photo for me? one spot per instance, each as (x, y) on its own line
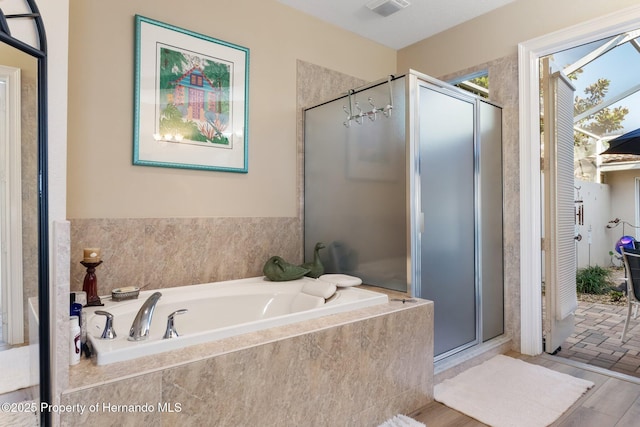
(215, 311)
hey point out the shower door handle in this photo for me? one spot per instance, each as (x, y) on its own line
(421, 222)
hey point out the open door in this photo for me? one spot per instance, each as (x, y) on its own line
(559, 271)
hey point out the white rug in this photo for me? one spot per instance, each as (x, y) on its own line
(508, 392)
(401, 421)
(17, 366)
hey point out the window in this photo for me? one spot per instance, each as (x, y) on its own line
(196, 80)
(477, 83)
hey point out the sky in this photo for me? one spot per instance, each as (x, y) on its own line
(620, 65)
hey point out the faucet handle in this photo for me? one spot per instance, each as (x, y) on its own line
(171, 330)
(109, 333)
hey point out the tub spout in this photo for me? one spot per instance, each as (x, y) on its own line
(140, 328)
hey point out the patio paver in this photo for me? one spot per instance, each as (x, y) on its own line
(596, 339)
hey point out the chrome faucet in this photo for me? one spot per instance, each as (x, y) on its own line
(171, 332)
(108, 333)
(140, 328)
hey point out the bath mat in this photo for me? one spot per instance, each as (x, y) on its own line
(19, 376)
(508, 392)
(401, 421)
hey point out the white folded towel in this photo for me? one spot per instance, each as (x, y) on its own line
(341, 280)
(319, 289)
(401, 421)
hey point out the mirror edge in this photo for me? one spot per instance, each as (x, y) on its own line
(43, 218)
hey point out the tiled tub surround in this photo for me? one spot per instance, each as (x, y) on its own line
(155, 253)
(353, 368)
(219, 310)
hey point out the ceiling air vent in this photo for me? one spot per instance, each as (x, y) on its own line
(387, 7)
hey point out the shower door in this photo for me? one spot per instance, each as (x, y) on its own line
(446, 185)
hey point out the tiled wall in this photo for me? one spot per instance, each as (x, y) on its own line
(155, 253)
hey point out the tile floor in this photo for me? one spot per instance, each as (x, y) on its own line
(596, 340)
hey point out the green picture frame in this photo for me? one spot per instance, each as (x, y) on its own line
(191, 100)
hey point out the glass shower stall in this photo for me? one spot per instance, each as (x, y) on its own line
(403, 185)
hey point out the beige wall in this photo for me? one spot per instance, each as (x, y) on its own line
(103, 183)
(497, 34)
(622, 186)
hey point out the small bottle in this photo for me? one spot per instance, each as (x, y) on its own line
(74, 340)
(76, 310)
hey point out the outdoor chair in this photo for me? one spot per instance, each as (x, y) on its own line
(631, 258)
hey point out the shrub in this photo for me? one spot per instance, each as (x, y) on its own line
(616, 296)
(593, 280)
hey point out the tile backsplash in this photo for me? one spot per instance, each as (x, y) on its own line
(156, 253)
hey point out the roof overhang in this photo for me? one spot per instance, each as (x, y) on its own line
(619, 166)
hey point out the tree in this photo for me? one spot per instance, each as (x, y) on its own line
(172, 65)
(476, 85)
(602, 122)
(218, 74)
(482, 81)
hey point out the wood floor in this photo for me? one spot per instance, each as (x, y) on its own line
(613, 401)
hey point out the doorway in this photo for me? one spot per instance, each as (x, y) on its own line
(531, 199)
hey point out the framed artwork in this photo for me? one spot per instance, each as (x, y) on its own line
(191, 100)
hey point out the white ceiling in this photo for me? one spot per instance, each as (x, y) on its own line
(422, 19)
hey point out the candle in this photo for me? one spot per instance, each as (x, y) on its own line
(91, 255)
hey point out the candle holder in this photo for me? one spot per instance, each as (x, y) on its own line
(90, 284)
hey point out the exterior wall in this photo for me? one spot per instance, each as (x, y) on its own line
(595, 245)
(623, 205)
